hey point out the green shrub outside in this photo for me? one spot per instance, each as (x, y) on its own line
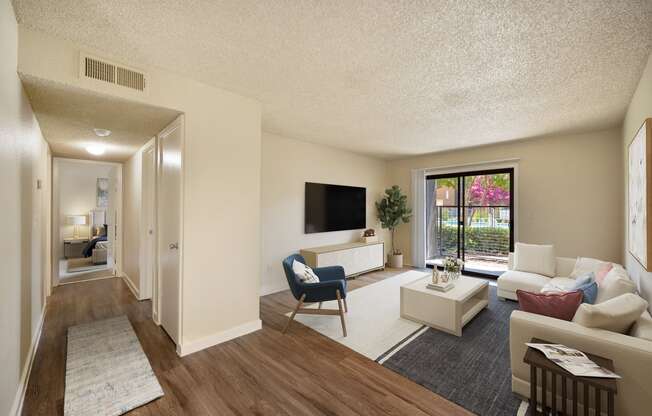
(481, 240)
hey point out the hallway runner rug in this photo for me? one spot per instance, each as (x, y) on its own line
(107, 372)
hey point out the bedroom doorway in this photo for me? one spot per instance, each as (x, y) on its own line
(86, 212)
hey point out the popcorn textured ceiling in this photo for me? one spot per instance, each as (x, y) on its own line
(387, 78)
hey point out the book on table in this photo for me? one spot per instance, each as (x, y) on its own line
(441, 287)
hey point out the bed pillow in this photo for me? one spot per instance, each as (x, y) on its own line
(555, 305)
(534, 258)
(616, 315)
(615, 283)
(304, 273)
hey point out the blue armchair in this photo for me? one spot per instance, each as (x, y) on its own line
(331, 286)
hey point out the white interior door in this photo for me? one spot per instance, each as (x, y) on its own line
(169, 227)
(148, 230)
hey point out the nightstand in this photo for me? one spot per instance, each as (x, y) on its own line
(73, 247)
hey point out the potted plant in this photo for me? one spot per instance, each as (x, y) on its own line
(392, 211)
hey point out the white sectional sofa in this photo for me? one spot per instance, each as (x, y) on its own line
(512, 280)
(632, 355)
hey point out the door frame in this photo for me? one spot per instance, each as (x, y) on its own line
(148, 260)
(479, 169)
(178, 123)
(55, 249)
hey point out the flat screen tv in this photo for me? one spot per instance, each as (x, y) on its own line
(334, 208)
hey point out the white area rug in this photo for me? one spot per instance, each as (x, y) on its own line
(374, 322)
(107, 372)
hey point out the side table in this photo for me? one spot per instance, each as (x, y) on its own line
(537, 360)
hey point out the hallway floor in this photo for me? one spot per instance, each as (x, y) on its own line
(266, 372)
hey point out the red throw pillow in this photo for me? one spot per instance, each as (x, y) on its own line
(556, 305)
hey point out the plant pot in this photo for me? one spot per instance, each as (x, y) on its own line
(395, 261)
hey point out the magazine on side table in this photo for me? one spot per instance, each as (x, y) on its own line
(572, 360)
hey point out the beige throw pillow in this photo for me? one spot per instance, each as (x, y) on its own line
(615, 283)
(533, 258)
(617, 314)
(642, 328)
(585, 265)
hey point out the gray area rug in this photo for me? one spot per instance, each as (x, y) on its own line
(107, 372)
(473, 370)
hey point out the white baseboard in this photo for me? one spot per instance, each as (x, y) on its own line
(218, 338)
(17, 408)
(131, 286)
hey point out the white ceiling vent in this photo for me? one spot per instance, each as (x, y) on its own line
(98, 69)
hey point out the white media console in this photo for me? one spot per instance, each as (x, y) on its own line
(356, 258)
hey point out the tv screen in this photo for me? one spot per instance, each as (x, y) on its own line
(334, 208)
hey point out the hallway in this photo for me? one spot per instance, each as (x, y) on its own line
(261, 373)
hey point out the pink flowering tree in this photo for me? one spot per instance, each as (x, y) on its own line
(486, 191)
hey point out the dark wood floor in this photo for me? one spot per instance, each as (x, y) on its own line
(264, 373)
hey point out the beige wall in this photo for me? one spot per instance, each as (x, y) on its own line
(24, 220)
(639, 109)
(287, 165)
(221, 187)
(569, 190)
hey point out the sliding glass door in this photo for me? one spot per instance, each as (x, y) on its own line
(470, 216)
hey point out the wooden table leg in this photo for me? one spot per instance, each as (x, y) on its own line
(586, 399)
(575, 409)
(564, 392)
(544, 387)
(533, 390)
(554, 394)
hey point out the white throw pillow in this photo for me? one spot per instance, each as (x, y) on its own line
(534, 258)
(617, 314)
(642, 328)
(585, 265)
(304, 273)
(615, 283)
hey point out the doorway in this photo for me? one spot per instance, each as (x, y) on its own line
(470, 216)
(86, 212)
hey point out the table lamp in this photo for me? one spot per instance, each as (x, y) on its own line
(76, 220)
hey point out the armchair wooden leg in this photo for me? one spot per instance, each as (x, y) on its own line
(346, 307)
(339, 305)
(294, 312)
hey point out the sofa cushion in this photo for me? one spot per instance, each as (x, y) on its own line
(555, 305)
(512, 280)
(617, 314)
(615, 283)
(584, 265)
(533, 258)
(642, 328)
(559, 285)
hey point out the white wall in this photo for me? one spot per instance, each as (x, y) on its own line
(639, 109)
(221, 187)
(287, 165)
(24, 224)
(569, 189)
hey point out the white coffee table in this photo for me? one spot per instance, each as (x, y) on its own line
(445, 311)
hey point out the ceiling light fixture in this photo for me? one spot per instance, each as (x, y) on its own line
(102, 132)
(96, 149)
